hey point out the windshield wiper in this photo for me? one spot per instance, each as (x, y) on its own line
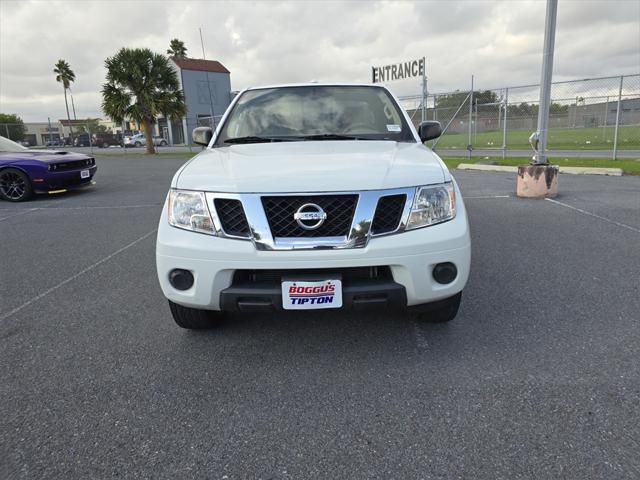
(255, 139)
(330, 136)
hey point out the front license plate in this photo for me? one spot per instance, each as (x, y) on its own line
(311, 295)
(84, 174)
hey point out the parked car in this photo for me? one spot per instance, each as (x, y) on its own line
(104, 140)
(56, 142)
(82, 140)
(139, 140)
(336, 203)
(24, 172)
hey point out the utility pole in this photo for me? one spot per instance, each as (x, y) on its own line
(604, 128)
(469, 147)
(73, 105)
(540, 157)
(504, 124)
(213, 118)
(50, 133)
(539, 179)
(424, 89)
(618, 109)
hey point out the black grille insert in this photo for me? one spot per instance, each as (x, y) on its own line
(272, 277)
(72, 165)
(339, 210)
(388, 213)
(232, 217)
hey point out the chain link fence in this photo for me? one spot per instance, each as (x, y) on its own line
(98, 134)
(590, 114)
(56, 134)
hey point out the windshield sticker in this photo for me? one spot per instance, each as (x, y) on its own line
(393, 128)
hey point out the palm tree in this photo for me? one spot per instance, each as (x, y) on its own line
(140, 85)
(177, 48)
(65, 75)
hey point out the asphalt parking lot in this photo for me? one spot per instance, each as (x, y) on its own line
(538, 377)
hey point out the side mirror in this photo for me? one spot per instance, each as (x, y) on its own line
(429, 130)
(202, 135)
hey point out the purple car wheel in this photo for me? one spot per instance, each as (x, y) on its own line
(14, 185)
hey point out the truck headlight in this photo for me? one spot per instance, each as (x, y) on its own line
(188, 210)
(432, 204)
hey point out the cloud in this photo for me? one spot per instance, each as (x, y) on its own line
(500, 42)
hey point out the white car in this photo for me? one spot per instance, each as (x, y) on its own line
(313, 196)
(139, 140)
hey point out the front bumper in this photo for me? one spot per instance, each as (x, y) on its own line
(356, 294)
(410, 256)
(61, 181)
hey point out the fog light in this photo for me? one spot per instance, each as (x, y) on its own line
(445, 273)
(181, 279)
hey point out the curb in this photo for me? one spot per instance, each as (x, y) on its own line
(615, 172)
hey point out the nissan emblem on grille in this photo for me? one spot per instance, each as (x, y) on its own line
(310, 216)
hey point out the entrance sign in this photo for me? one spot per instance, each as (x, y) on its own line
(398, 71)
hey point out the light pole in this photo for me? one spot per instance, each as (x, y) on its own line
(542, 136)
(539, 178)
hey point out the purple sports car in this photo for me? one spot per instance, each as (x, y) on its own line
(24, 172)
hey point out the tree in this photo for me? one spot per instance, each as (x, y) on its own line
(65, 75)
(140, 85)
(177, 48)
(12, 127)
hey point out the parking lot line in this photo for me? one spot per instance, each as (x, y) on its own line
(22, 212)
(600, 217)
(98, 207)
(76, 275)
(480, 197)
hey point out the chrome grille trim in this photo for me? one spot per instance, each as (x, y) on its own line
(359, 232)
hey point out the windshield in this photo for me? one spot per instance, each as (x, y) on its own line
(7, 145)
(315, 113)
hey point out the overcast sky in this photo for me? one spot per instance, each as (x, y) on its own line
(500, 42)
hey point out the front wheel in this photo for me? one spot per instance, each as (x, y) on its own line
(15, 186)
(163, 143)
(438, 312)
(137, 144)
(194, 319)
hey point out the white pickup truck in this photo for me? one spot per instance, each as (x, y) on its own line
(313, 196)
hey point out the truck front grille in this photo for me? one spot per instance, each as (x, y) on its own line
(72, 165)
(280, 213)
(232, 217)
(349, 274)
(388, 214)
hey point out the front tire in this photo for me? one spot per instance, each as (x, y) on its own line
(439, 312)
(15, 186)
(194, 319)
(137, 144)
(163, 143)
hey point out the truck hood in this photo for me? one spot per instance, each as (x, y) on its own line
(311, 166)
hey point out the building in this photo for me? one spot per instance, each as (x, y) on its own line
(605, 113)
(207, 91)
(39, 133)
